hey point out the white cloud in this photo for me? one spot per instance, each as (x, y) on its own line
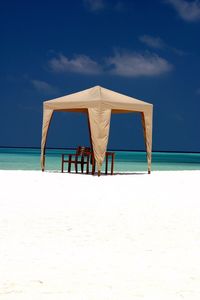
(43, 87)
(153, 42)
(94, 5)
(136, 64)
(158, 43)
(122, 63)
(189, 11)
(79, 64)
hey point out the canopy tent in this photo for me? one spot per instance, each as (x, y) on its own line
(99, 103)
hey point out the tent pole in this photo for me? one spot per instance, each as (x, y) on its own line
(44, 153)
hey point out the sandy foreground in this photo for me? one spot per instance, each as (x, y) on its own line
(80, 237)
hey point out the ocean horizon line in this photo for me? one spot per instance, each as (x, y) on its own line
(110, 149)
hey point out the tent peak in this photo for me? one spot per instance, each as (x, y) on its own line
(89, 97)
(97, 90)
(97, 87)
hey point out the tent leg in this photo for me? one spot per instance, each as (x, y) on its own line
(147, 142)
(43, 162)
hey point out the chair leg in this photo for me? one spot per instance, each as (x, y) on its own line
(112, 164)
(106, 164)
(82, 164)
(87, 164)
(62, 166)
(93, 165)
(69, 164)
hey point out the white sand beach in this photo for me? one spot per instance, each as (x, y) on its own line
(80, 237)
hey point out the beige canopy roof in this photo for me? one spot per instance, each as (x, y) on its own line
(99, 103)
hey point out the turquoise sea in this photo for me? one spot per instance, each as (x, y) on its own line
(29, 159)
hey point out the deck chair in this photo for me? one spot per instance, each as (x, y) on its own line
(81, 157)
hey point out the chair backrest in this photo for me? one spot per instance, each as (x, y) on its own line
(81, 150)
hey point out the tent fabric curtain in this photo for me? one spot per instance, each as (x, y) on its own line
(100, 120)
(99, 103)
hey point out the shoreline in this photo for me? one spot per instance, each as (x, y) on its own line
(108, 175)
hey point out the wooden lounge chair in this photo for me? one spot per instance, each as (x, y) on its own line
(81, 157)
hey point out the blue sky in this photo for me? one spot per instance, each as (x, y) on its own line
(149, 50)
